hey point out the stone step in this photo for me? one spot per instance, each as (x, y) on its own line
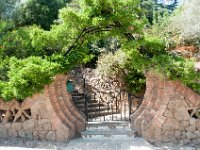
(108, 118)
(83, 102)
(108, 134)
(76, 93)
(79, 101)
(94, 109)
(90, 105)
(108, 125)
(98, 114)
(77, 98)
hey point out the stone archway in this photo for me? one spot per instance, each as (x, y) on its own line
(98, 97)
(168, 113)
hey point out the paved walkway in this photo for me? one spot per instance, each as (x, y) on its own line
(109, 144)
(87, 144)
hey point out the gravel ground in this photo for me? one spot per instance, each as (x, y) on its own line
(88, 144)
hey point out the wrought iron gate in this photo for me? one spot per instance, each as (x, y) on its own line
(102, 103)
(111, 106)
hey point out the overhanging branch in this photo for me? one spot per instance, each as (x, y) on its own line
(91, 30)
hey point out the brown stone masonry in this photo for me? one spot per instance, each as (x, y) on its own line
(50, 115)
(169, 112)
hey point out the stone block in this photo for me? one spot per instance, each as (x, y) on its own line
(35, 134)
(170, 106)
(159, 121)
(183, 135)
(62, 135)
(198, 126)
(171, 124)
(42, 134)
(168, 113)
(193, 121)
(193, 99)
(7, 126)
(39, 110)
(181, 114)
(21, 133)
(17, 126)
(197, 132)
(45, 124)
(191, 135)
(29, 124)
(12, 133)
(185, 123)
(196, 142)
(177, 134)
(187, 141)
(51, 136)
(3, 132)
(28, 134)
(169, 135)
(191, 128)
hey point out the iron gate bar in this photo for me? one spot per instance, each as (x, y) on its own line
(116, 104)
(130, 105)
(112, 111)
(119, 109)
(86, 100)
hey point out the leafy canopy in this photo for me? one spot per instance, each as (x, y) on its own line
(41, 54)
(39, 12)
(6, 8)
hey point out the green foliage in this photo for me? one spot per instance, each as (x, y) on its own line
(135, 80)
(153, 46)
(31, 56)
(112, 65)
(177, 68)
(4, 67)
(5, 26)
(39, 12)
(29, 41)
(185, 24)
(6, 8)
(17, 43)
(49, 42)
(26, 77)
(119, 66)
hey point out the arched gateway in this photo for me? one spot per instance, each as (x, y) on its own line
(100, 98)
(169, 112)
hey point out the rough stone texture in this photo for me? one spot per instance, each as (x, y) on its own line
(106, 90)
(173, 117)
(50, 115)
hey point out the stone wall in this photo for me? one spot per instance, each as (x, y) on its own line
(50, 115)
(104, 88)
(170, 112)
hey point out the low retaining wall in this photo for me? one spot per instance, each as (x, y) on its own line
(167, 113)
(50, 115)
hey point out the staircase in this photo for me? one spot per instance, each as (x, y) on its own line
(113, 129)
(94, 108)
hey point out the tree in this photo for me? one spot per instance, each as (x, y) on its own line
(185, 23)
(88, 22)
(7, 8)
(39, 12)
(157, 9)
